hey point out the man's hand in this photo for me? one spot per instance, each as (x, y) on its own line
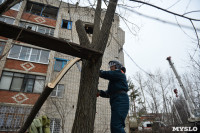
(98, 93)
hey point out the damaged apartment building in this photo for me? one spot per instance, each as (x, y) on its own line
(25, 69)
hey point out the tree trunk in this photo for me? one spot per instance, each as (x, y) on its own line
(86, 106)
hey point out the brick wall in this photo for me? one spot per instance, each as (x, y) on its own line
(36, 19)
(11, 13)
(17, 65)
(8, 97)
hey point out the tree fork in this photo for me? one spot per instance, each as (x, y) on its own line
(86, 105)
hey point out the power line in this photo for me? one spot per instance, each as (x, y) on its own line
(154, 18)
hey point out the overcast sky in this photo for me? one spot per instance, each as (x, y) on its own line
(153, 41)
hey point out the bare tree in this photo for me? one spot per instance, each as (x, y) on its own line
(86, 106)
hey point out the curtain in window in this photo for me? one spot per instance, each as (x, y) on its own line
(6, 80)
(29, 85)
(39, 84)
(17, 82)
(69, 25)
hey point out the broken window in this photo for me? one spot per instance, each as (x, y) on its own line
(89, 28)
(66, 24)
(42, 10)
(37, 28)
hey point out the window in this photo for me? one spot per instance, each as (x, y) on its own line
(149, 125)
(7, 20)
(58, 91)
(59, 64)
(12, 117)
(15, 7)
(37, 28)
(89, 28)
(42, 10)
(22, 82)
(66, 24)
(55, 125)
(29, 54)
(2, 45)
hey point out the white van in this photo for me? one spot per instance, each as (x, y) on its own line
(147, 125)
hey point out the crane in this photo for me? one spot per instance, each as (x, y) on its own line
(193, 112)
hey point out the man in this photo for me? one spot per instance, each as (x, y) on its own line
(117, 92)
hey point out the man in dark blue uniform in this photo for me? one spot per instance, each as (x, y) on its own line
(117, 92)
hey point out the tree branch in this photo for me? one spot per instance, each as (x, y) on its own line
(97, 19)
(83, 38)
(138, 1)
(107, 23)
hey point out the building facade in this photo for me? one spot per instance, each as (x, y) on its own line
(25, 69)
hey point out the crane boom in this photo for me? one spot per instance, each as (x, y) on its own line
(189, 103)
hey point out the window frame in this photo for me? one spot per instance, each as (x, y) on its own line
(5, 19)
(56, 89)
(52, 124)
(63, 63)
(24, 83)
(2, 44)
(18, 117)
(69, 24)
(48, 30)
(30, 54)
(41, 12)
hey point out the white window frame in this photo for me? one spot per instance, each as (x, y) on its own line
(10, 57)
(37, 27)
(7, 18)
(56, 89)
(53, 124)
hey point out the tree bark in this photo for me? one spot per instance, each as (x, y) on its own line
(86, 105)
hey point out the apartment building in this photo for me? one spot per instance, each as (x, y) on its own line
(25, 69)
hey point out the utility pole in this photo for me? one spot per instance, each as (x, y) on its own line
(189, 103)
